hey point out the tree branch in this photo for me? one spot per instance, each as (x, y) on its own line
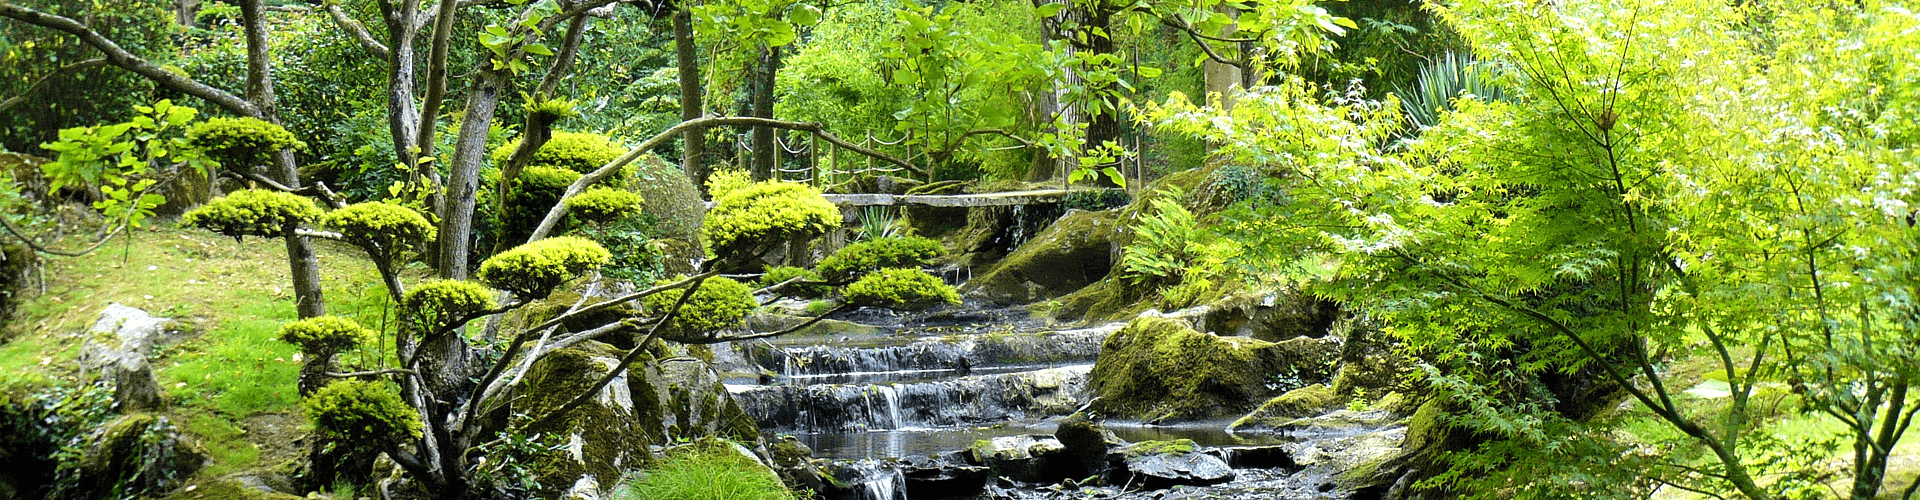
(639, 349)
(373, 373)
(126, 60)
(358, 31)
(49, 77)
(761, 335)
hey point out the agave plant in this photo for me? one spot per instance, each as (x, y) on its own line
(879, 222)
(1444, 78)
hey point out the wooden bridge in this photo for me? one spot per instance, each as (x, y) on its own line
(951, 200)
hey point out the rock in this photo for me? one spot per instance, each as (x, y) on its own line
(1164, 464)
(773, 322)
(133, 329)
(867, 480)
(939, 477)
(123, 360)
(1271, 316)
(1094, 446)
(1030, 458)
(17, 264)
(586, 488)
(1339, 419)
(937, 222)
(1158, 369)
(1369, 366)
(673, 200)
(1075, 251)
(138, 454)
(1258, 457)
(1303, 402)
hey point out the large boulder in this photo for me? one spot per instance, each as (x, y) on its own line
(1031, 458)
(1075, 251)
(1159, 369)
(1157, 465)
(116, 351)
(674, 203)
(137, 455)
(943, 476)
(1271, 316)
(1304, 402)
(1094, 446)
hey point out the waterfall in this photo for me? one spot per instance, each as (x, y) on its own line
(877, 481)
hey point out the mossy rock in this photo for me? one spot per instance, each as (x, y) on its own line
(561, 300)
(672, 201)
(879, 184)
(602, 438)
(227, 489)
(14, 274)
(1158, 369)
(1272, 316)
(1303, 402)
(137, 455)
(1076, 251)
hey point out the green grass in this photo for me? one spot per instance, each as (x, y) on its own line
(709, 470)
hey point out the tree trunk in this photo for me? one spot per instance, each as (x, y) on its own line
(403, 118)
(469, 151)
(763, 143)
(1103, 124)
(691, 107)
(302, 265)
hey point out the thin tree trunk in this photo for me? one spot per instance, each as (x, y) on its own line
(469, 151)
(304, 268)
(691, 105)
(763, 143)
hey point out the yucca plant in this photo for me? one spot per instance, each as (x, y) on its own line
(1446, 77)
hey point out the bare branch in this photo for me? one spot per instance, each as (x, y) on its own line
(373, 373)
(761, 335)
(126, 60)
(358, 31)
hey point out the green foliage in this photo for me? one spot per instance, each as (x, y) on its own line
(325, 335)
(581, 152)
(99, 157)
(253, 212)
(1451, 76)
(726, 181)
(768, 213)
(637, 255)
(720, 303)
(389, 228)
(436, 304)
(533, 270)
(777, 274)
(1171, 246)
(240, 143)
(707, 470)
(604, 205)
(901, 289)
(537, 189)
(360, 413)
(101, 94)
(860, 258)
(880, 222)
(1094, 200)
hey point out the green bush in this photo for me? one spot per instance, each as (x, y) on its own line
(361, 413)
(533, 270)
(534, 192)
(725, 181)
(767, 213)
(253, 212)
(325, 335)
(775, 275)
(580, 152)
(1094, 200)
(241, 142)
(901, 289)
(603, 205)
(393, 228)
(437, 302)
(708, 470)
(879, 253)
(719, 303)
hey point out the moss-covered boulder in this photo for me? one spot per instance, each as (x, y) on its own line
(1272, 316)
(1298, 403)
(673, 203)
(137, 455)
(1158, 369)
(658, 401)
(1031, 458)
(1076, 251)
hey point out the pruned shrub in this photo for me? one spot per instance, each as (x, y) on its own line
(901, 289)
(580, 152)
(360, 413)
(726, 181)
(253, 212)
(392, 228)
(879, 253)
(533, 270)
(603, 205)
(775, 275)
(534, 191)
(719, 303)
(767, 213)
(325, 335)
(436, 303)
(241, 142)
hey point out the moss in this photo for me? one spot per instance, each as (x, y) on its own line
(1073, 253)
(778, 274)
(325, 334)
(580, 152)
(239, 143)
(361, 413)
(227, 489)
(719, 303)
(533, 270)
(1156, 368)
(1303, 402)
(875, 254)
(393, 229)
(768, 213)
(253, 212)
(1173, 447)
(603, 205)
(606, 437)
(901, 289)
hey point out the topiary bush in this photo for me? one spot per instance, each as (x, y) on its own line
(437, 303)
(719, 303)
(241, 142)
(604, 205)
(324, 335)
(900, 289)
(533, 270)
(389, 227)
(775, 275)
(580, 152)
(879, 253)
(726, 181)
(767, 213)
(253, 212)
(534, 191)
(361, 413)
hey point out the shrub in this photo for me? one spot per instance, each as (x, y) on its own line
(356, 412)
(325, 335)
(1094, 200)
(766, 213)
(775, 275)
(603, 205)
(880, 253)
(901, 289)
(533, 270)
(436, 303)
(253, 212)
(725, 182)
(719, 303)
(580, 152)
(708, 470)
(534, 191)
(241, 142)
(391, 227)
